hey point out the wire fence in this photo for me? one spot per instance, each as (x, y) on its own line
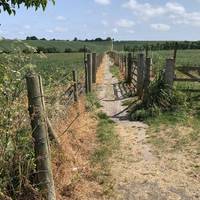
(39, 104)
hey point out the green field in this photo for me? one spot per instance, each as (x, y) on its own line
(61, 45)
(53, 67)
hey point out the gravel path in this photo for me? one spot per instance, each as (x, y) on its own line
(138, 173)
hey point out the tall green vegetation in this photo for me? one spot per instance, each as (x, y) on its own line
(16, 145)
(158, 98)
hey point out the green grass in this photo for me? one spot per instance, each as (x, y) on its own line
(115, 71)
(53, 67)
(61, 45)
(92, 103)
(108, 142)
(175, 131)
(184, 58)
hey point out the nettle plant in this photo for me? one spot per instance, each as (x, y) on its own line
(16, 145)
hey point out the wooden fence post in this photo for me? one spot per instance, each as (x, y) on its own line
(130, 64)
(169, 72)
(175, 54)
(94, 67)
(140, 74)
(125, 67)
(40, 135)
(147, 51)
(89, 66)
(75, 82)
(147, 74)
(86, 77)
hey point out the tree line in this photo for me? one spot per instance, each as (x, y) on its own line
(168, 45)
(75, 39)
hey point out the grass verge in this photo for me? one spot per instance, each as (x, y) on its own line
(107, 143)
(115, 71)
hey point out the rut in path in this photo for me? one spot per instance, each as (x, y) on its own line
(138, 173)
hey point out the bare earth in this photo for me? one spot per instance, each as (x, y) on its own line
(138, 172)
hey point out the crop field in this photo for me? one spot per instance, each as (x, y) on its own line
(53, 67)
(60, 45)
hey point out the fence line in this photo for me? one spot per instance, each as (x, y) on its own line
(40, 123)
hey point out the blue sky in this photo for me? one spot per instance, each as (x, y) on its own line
(121, 19)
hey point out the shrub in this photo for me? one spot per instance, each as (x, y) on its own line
(68, 50)
(158, 98)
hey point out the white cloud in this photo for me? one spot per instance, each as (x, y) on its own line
(124, 23)
(27, 26)
(60, 18)
(131, 31)
(103, 2)
(175, 8)
(192, 19)
(49, 31)
(172, 11)
(160, 27)
(104, 22)
(115, 30)
(57, 30)
(21, 33)
(145, 10)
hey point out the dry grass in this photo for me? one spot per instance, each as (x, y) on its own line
(100, 73)
(71, 164)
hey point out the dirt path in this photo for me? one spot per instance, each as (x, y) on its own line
(138, 173)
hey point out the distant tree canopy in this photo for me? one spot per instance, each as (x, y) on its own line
(10, 6)
(168, 45)
(31, 38)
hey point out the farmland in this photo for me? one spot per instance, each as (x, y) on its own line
(60, 45)
(165, 127)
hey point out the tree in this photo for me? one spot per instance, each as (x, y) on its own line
(68, 50)
(99, 39)
(31, 38)
(10, 6)
(108, 39)
(75, 39)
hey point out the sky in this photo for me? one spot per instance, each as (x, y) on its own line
(119, 19)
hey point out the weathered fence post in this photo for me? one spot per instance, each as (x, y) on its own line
(147, 74)
(89, 67)
(75, 84)
(125, 67)
(130, 64)
(86, 72)
(147, 51)
(140, 74)
(40, 135)
(94, 67)
(169, 72)
(175, 54)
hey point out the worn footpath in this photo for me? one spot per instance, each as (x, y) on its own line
(138, 173)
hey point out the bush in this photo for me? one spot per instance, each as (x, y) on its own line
(84, 50)
(47, 50)
(158, 98)
(68, 50)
